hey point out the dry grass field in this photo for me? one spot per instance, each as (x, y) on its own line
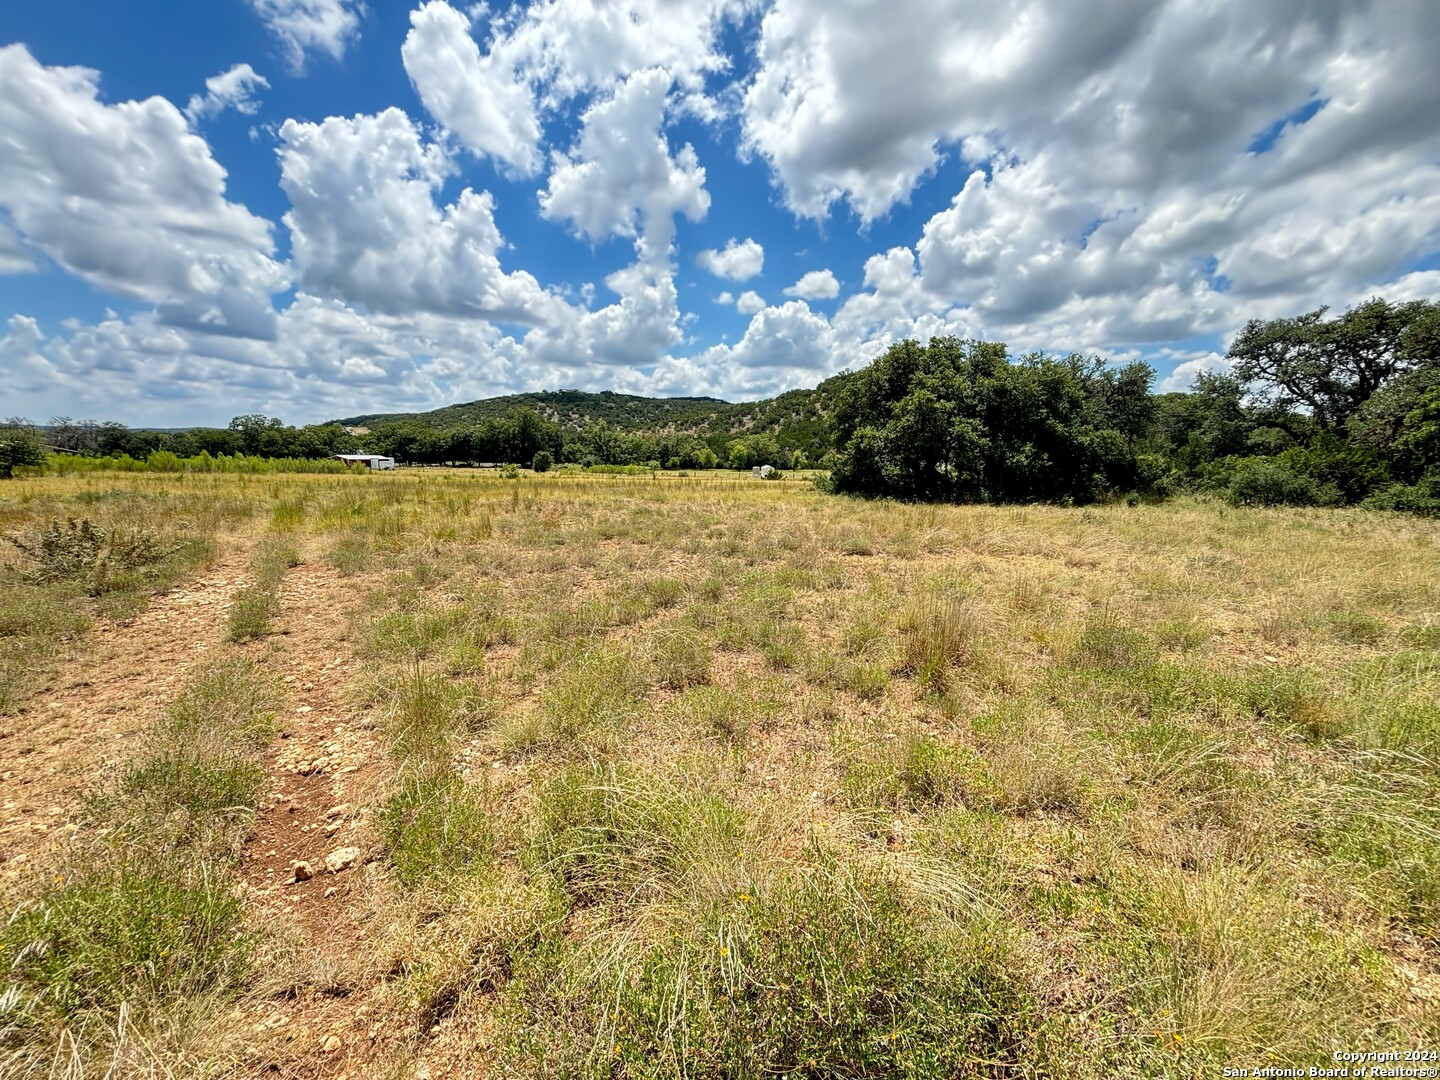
(644, 777)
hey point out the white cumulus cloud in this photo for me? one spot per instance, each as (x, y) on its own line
(306, 26)
(620, 178)
(478, 97)
(750, 302)
(366, 228)
(816, 285)
(737, 261)
(233, 89)
(126, 196)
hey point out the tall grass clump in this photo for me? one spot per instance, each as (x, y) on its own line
(937, 635)
(435, 825)
(824, 971)
(426, 714)
(255, 605)
(588, 700)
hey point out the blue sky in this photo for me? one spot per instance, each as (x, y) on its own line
(313, 208)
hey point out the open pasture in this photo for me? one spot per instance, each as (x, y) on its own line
(708, 776)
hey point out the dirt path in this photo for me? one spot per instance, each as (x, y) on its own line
(325, 768)
(89, 717)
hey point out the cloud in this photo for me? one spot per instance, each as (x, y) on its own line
(816, 285)
(233, 89)
(571, 48)
(536, 61)
(479, 98)
(1116, 179)
(1124, 94)
(366, 228)
(725, 298)
(128, 198)
(736, 261)
(305, 26)
(620, 178)
(1183, 377)
(14, 259)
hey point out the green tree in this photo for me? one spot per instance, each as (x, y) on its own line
(19, 445)
(255, 431)
(1401, 422)
(958, 421)
(1329, 369)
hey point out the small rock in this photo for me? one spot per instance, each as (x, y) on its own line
(304, 709)
(338, 811)
(303, 871)
(331, 891)
(342, 859)
(331, 1044)
(334, 827)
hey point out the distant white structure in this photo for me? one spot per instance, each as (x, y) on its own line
(761, 472)
(370, 461)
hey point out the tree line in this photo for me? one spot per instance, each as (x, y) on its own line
(1314, 410)
(523, 437)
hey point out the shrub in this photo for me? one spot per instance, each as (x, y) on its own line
(544, 461)
(1268, 482)
(18, 447)
(1422, 497)
(97, 558)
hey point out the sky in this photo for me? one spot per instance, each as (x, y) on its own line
(319, 208)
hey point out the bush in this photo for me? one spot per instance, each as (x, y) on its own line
(1268, 482)
(960, 421)
(1422, 497)
(544, 461)
(18, 447)
(99, 559)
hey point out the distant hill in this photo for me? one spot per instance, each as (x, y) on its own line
(568, 408)
(796, 418)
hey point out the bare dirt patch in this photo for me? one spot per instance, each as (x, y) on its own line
(324, 765)
(76, 730)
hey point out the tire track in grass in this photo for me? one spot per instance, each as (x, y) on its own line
(88, 719)
(321, 767)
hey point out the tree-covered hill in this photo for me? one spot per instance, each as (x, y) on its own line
(571, 409)
(797, 420)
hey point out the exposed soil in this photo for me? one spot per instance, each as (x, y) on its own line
(324, 766)
(322, 757)
(74, 732)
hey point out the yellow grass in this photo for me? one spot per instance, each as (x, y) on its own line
(715, 776)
